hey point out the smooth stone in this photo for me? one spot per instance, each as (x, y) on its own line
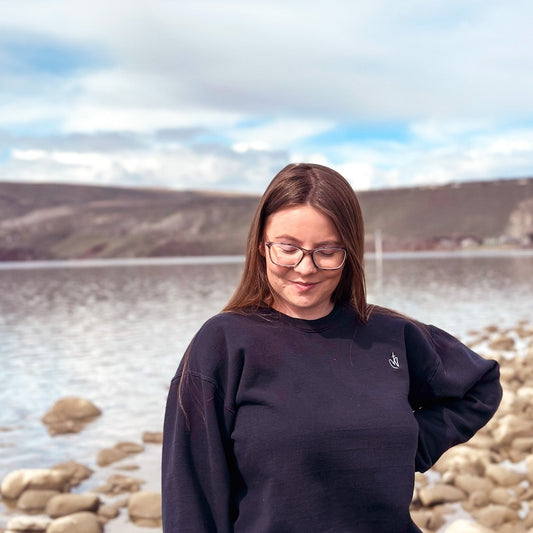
(144, 509)
(17, 481)
(76, 472)
(119, 484)
(529, 466)
(440, 493)
(509, 427)
(523, 444)
(65, 504)
(478, 498)
(470, 483)
(427, 520)
(155, 437)
(503, 476)
(494, 516)
(70, 415)
(504, 496)
(464, 460)
(129, 447)
(76, 523)
(108, 512)
(109, 455)
(35, 500)
(502, 343)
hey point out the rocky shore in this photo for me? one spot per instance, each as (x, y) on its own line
(483, 486)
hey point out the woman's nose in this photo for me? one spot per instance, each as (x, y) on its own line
(306, 265)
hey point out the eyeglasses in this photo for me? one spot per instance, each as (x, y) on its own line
(290, 255)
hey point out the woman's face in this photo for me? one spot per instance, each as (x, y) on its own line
(302, 291)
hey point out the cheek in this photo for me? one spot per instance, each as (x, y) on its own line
(335, 279)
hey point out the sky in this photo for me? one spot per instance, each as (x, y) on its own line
(221, 95)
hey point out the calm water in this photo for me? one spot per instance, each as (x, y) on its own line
(114, 334)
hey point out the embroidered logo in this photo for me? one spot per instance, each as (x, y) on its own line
(394, 362)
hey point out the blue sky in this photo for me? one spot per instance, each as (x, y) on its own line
(221, 95)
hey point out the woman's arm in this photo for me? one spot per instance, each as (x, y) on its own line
(454, 392)
(196, 454)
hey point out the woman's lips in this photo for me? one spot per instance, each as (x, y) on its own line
(303, 285)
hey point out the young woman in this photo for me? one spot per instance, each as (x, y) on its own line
(301, 407)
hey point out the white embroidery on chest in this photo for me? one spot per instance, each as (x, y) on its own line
(394, 361)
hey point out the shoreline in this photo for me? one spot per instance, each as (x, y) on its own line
(487, 481)
(235, 259)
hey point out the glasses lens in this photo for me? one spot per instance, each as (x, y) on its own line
(329, 258)
(285, 254)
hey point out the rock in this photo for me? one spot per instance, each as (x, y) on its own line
(526, 393)
(502, 343)
(529, 466)
(513, 527)
(35, 500)
(128, 467)
(16, 482)
(503, 476)
(76, 523)
(470, 483)
(109, 455)
(108, 512)
(118, 484)
(144, 509)
(504, 496)
(464, 460)
(465, 526)
(426, 519)
(509, 427)
(75, 471)
(478, 498)
(440, 494)
(27, 524)
(507, 373)
(155, 437)
(129, 447)
(523, 444)
(65, 504)
(70, 415)
(494, 516)
(482, 441)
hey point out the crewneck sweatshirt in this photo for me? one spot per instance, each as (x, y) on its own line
(289, 425)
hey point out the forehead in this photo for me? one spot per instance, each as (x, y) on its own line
(302, 223)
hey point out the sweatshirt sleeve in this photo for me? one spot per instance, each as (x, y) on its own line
(454, 392)
(196, 479)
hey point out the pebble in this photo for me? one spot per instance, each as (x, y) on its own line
(70, 415)
(144, 509)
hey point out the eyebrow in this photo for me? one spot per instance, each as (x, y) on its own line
(330, 242)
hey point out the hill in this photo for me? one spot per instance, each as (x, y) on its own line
(54, 221)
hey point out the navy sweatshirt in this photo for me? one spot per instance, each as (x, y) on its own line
(315, 425)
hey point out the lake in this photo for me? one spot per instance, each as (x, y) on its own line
(114, 331)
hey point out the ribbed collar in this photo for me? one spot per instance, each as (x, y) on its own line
(316, 325)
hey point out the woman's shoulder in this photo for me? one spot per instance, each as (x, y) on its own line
(232, 320)
(385, 317)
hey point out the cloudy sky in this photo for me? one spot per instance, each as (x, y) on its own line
(221, 95)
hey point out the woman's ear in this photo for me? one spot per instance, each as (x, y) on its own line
(261, 249)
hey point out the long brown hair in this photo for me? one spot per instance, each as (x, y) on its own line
(326, 190)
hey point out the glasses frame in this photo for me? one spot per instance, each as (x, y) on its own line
(305, 252)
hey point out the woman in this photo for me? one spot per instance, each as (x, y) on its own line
(302, 408)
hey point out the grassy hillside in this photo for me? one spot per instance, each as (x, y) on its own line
(52, 221)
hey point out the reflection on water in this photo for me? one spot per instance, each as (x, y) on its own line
(457, 293)
(112, 335)
(115, 334)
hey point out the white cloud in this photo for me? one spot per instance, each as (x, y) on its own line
(258, 83)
